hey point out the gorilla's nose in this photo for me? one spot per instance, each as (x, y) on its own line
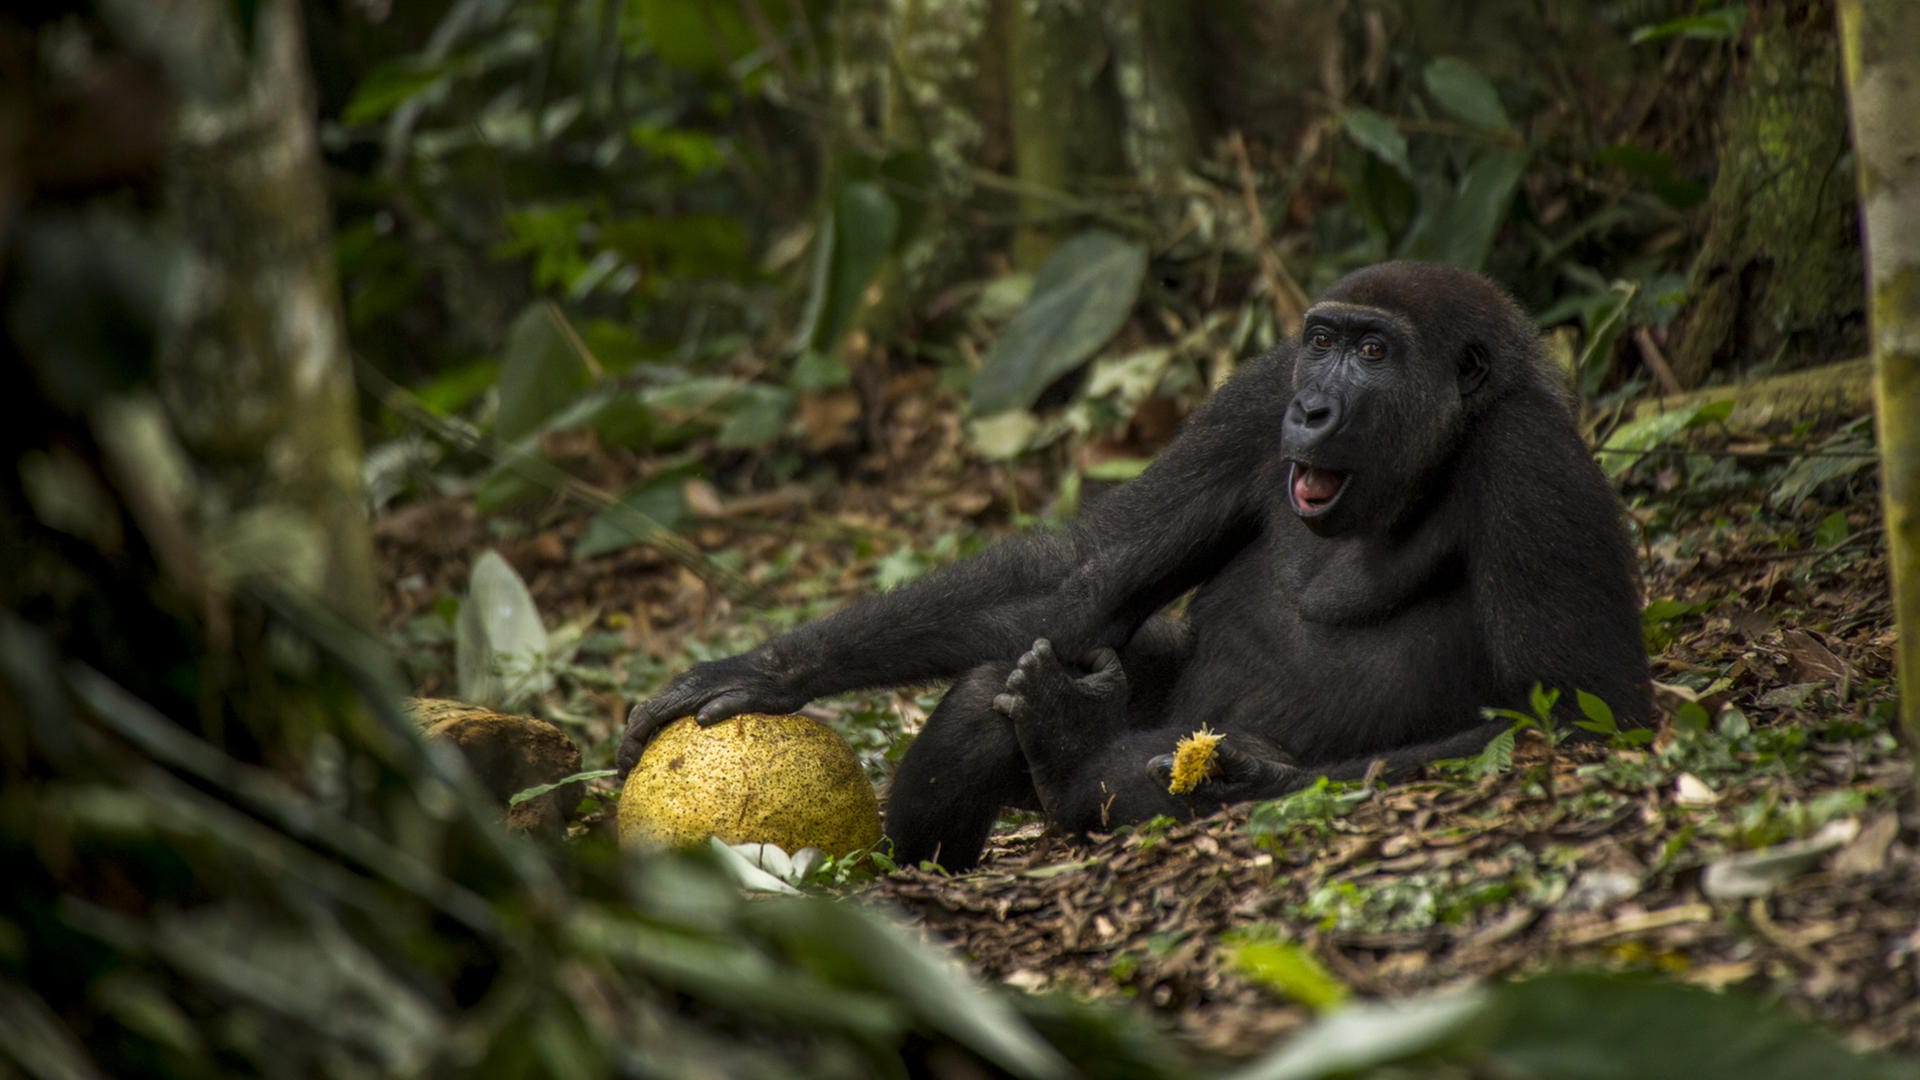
(1311, 416)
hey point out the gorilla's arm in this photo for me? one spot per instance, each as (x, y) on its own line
(1568, 630)
(1128, 555)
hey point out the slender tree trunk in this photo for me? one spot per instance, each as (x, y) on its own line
(255, 372)
(1883, 80)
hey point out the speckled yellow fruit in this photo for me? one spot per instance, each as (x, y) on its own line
(783, 780)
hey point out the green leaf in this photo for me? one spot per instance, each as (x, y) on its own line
(1460, 89)
(540, 371)
(519, 797)
(1716, 25)
(1631, 440)
(500, 651)
(1286, 968)
(1832, 531)
(392, 85)
(756, 416)
(1457, 224)
(1118, 468)
(1840, 457)
(850, 947)
(855, 240)
(1599, 714)
(1497, 757)
(746, 414)
(1656, 170)
(1378, 136)
(1080, 299)
(700, 36)
(1690, 716)
(657, 506)
(1590, 1027)
(1371, 1034)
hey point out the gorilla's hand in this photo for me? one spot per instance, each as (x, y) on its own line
(1237, 776)
(711, 692)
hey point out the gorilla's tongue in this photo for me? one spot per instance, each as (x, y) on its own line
(1314, 487)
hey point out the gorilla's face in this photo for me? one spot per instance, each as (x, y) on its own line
(1372, 414)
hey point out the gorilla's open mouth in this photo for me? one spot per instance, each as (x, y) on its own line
(1314, 490)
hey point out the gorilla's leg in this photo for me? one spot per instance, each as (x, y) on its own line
(960, 770)
(1063, 716)
(967, 762)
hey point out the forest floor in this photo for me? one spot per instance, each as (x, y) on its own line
(1763, 842)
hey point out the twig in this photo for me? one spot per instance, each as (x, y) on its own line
(1289, 299)
(1656, 361)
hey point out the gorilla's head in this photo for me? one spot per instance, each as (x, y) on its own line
(1392, 364)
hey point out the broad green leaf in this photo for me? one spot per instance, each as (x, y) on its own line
(1631, 440)
(745, 414)
(1460, 89)
(850, 947)
(1840, 457)
(1378, 136)
(615, 413)
(1597, 1027)
(1458, 224)
(1287, 968)
(756, 416)
(500, 651)
(854, 241)
(1080, 299)
(540, 371)
(1371, 1034)
(657, 506)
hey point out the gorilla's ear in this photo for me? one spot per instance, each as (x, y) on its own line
(1473, 368)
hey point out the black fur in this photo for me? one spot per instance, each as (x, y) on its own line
(1471, 549)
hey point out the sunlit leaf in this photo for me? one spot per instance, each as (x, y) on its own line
(1080, 299)
(1287, 968)
(1632, 439)
(500, 651)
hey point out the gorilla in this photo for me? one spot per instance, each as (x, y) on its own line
(1386, 525)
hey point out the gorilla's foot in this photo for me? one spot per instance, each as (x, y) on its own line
(1062, 717)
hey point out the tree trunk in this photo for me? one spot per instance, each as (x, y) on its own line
(254, 372)
(1883, 80)
(1778, 275)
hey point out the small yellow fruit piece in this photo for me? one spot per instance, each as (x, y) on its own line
(783, 780)
(1193, 760)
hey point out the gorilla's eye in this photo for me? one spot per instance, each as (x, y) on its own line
(1321, 340)
(1372, 349)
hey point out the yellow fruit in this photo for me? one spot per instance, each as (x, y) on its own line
(1193, 760)
(783, 780)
